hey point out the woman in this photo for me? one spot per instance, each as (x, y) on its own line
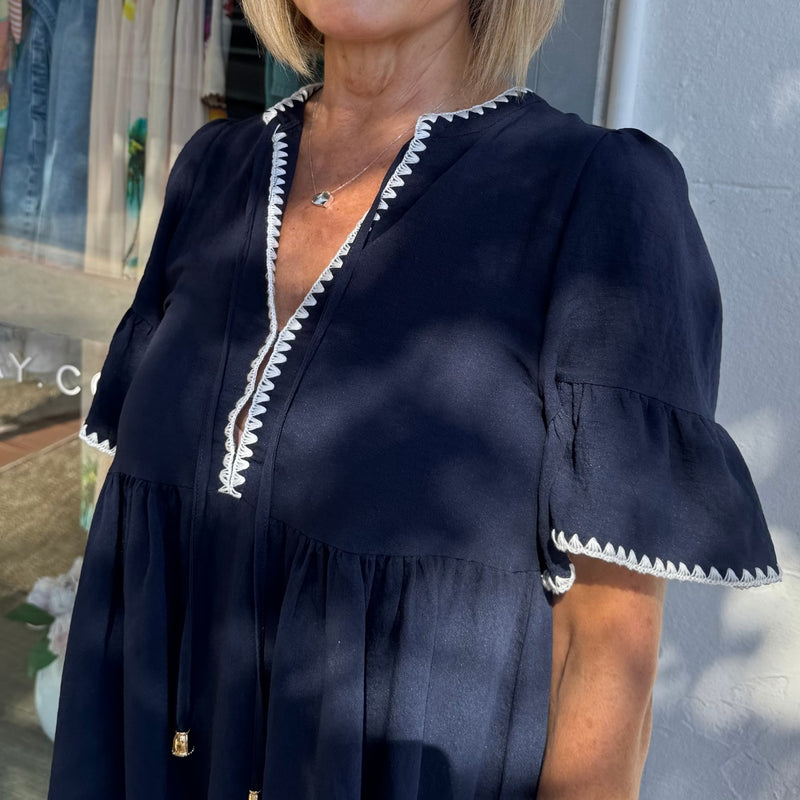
(402, 528)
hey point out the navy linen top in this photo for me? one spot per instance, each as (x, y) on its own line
(514, 357)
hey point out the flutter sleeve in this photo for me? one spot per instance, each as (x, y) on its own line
(635, 469)
(134, 331)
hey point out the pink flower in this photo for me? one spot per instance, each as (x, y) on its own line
(58, 633)
(57, 595)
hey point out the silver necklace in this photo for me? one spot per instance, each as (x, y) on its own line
(324, 198)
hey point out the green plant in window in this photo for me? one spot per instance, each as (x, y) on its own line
(89, 469)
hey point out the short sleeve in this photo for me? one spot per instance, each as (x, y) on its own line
(134, 331)
(635, 470)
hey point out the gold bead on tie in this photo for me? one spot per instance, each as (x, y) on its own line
(253, 794)
(180, 744)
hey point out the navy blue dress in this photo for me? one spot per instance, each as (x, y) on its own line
(514, 357)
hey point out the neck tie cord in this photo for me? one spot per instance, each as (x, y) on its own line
(181, 743)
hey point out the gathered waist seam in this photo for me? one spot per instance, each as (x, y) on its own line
(406, 556)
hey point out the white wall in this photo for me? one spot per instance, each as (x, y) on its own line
(719, 83)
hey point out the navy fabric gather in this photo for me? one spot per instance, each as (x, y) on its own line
(514, 357)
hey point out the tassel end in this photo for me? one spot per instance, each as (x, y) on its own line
(180, 744)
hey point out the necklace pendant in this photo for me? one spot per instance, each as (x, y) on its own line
(321, 198)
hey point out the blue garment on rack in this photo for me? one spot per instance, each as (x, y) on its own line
(45, 163)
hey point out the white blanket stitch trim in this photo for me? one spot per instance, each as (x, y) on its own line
(301, 95)
(556, 585)
(422, 131)
(92, 440)
(656, 567)
(236, 458)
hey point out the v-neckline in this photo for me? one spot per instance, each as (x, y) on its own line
(266, 365)
(279, 339)
(393, 178)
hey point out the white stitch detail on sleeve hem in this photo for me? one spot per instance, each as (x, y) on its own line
(92, 440)
(657, 566)
(556, 584)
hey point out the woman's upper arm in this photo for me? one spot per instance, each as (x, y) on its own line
(613, 612)
(606, 632)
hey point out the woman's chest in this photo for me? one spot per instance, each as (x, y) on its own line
(399, 396)
(310, 237)
(385, 388)
(402, 347)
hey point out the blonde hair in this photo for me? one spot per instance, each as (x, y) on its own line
(506, 34)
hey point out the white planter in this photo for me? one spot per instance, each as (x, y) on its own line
(47, 686)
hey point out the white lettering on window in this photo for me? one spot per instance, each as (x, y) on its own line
(20, 366)
(60, 379)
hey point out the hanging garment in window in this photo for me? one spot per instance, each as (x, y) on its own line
(43, 183)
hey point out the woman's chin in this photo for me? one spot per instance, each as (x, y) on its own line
(364, 21)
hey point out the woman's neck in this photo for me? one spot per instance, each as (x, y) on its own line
(380, 84)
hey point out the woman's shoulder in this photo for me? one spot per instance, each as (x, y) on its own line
(219, 155)
(624, 161)
(221, 140)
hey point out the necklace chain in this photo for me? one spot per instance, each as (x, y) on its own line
(323, 198)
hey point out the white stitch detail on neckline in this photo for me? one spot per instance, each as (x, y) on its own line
(657, 566)
(301, 95)
(92, 440)
(422, 131)
(464, 113)
(237, 458)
